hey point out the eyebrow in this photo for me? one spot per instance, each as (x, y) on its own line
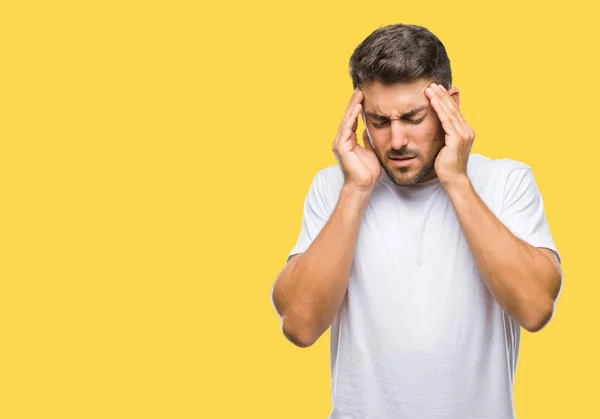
(408, 114)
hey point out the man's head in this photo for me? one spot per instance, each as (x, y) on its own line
(393, 66)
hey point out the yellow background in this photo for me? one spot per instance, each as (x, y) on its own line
(154, 161)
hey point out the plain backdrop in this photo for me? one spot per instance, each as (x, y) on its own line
(154, 160)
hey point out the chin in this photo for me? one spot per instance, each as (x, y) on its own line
(408, 176)
(404, 180)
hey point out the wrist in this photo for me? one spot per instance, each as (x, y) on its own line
(457, 184)
(356, 197)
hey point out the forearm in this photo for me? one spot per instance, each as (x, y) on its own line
(309, 291)
(521, 278)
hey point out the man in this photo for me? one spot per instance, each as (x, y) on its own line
(427, 269)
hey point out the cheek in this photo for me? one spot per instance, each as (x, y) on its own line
(425, 135)
(425, 132)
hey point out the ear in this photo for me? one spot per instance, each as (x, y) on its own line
(455, 94)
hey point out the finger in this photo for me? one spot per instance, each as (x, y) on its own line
(452, 117)
(452, 109)
(443, 116)
(350, 125)
(356, 98)
(455, 106)
(437, 97)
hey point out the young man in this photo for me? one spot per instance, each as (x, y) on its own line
(425, 259)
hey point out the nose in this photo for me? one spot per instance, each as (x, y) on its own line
(399, 138)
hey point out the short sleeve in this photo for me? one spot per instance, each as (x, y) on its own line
(317, 210)
(523, 210)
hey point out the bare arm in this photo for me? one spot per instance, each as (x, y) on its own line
(524, 280)
(309, 291)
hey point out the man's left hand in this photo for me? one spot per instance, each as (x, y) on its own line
(451, 162)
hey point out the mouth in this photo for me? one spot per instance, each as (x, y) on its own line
(402, 161)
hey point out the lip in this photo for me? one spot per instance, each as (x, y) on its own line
(402, 163)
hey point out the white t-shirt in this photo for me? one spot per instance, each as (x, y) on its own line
(418, 335)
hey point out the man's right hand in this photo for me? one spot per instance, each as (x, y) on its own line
(360, 166)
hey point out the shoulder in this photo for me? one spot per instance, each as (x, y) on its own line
(330, 179)
(497, 180)
(333, 173)
(326, 186)
(490, 170)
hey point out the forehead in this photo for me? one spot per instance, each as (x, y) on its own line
(395, 99)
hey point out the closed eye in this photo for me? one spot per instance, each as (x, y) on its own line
(415, 121)
(409, 120)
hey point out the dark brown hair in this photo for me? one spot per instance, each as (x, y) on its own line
(400, 53)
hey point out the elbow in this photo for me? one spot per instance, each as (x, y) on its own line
(301, 341)
(536, 320)
(301, 336)
(538, 315)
